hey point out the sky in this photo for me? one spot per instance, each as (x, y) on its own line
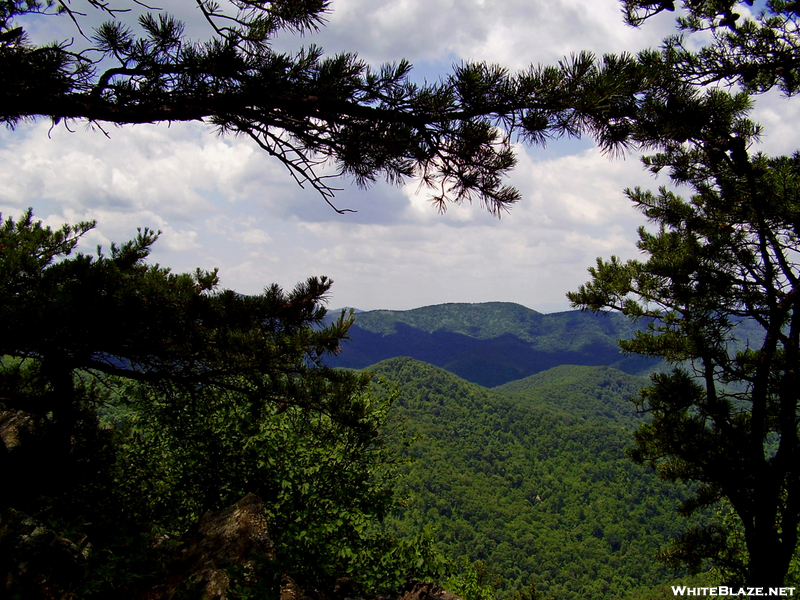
(222, 202)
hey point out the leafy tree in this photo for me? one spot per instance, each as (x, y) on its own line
(115, 315)
(204, 395)
(306, 109)
(325, 484)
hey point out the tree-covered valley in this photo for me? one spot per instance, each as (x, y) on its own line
(531, 479)
(525, 476)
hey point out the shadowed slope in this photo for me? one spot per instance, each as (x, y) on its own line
(490, 343)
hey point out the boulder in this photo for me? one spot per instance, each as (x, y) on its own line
(220, 540)
(11, 423)
(421, 590)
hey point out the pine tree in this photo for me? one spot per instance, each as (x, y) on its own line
(758, 53)
(113, 314)
(719, 289)
(205, 395)
(306, 109)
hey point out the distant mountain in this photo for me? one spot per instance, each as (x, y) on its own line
(490, 343)
(533, 480)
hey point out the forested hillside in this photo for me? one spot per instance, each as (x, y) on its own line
(490, 343)
(531, 479)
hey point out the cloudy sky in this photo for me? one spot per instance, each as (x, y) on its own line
(224, 203)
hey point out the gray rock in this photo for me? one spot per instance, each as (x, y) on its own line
(221, 539)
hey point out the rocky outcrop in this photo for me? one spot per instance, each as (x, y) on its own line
(420, 590)
(11, 423)
(220, 540)
(36, 562)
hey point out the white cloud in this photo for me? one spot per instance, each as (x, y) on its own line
(225, 203)
(532, 256)
(780, 118)
(514, 33)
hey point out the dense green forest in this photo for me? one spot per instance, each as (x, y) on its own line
(531, 480)
(135, 402)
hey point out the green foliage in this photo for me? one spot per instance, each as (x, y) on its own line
(471, 583)
(324, 482)
(413, 556)
(204, 396)
(534, 485)
(590, 393)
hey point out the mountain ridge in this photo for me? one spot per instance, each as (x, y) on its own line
(490, 343)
